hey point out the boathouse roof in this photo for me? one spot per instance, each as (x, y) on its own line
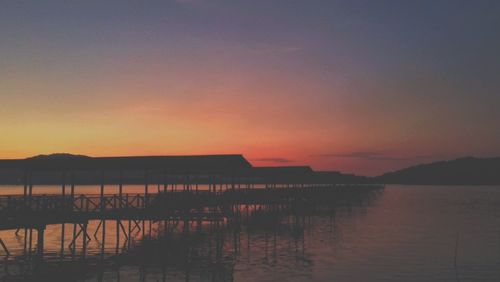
(171, 164)
(283, 173)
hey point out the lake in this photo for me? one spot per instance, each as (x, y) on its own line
(403, 233)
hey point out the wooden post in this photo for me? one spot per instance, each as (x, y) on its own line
(25, 190)
(214, 184)
(184, 183)
(25, 181)
(39, 244)
(165, 181)
(150, 228)
(84, 239)
(25, 240)
(209, 180)
(72, 191)
(117, 235)
(146, 188)
(62, 240)
(103, 240)
(120, 189)
(63, 186)
(103, 205)
(30, 189)
(129, 237)
(73, 247)
(30, 241)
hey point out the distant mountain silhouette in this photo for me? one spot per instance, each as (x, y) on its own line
(59, 156)
(463, 171)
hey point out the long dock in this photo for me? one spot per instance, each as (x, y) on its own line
(220, 188)
(19, 211)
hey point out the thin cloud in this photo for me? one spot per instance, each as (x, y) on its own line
(273, 160)
(372, 156)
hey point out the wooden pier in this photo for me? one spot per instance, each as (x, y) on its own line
(198, 189)
(35, 210)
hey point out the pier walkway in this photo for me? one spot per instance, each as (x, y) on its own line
(18, 211)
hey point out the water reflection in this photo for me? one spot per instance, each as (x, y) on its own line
(186, 250)
(398, 234)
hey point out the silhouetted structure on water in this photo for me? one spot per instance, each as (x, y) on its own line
(215, 189)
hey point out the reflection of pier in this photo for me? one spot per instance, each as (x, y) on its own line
(191, 192)
(172, 244)
(159, 247)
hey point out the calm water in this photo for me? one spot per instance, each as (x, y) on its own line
(405, 233)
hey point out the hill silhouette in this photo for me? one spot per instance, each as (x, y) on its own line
(462, 171)
(59, 156)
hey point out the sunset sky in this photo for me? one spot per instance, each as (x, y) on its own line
(356, 86)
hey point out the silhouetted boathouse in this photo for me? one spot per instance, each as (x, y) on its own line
(285, 175)
(211, 187)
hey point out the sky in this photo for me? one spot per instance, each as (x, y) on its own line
(356, 86)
